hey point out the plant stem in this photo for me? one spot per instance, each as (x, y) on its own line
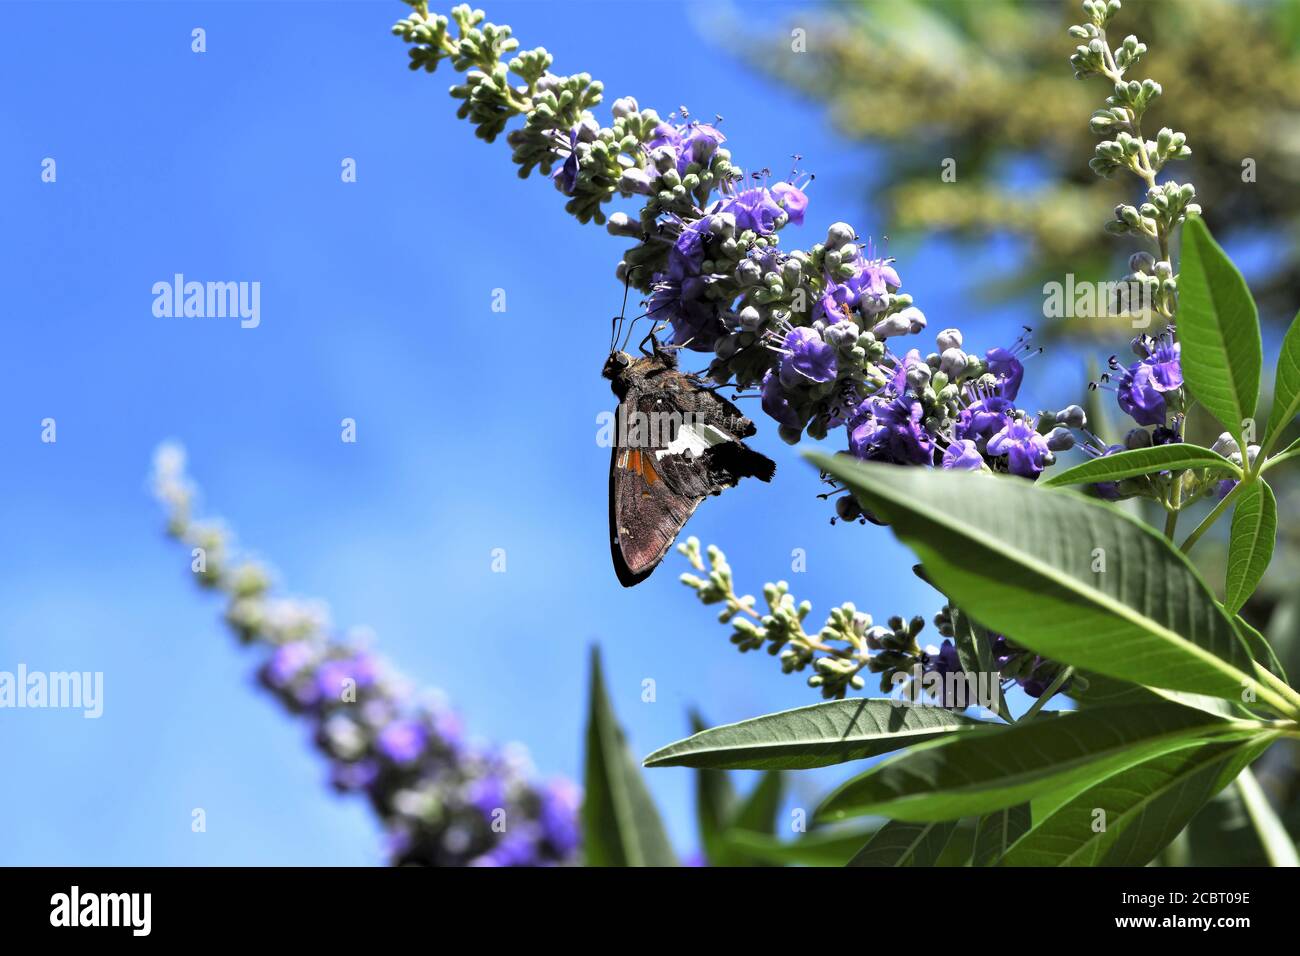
(1212, 517)
(1171, 522)
(1272, 834)
(1279, 685)
(1048, 694)
(1278, 458)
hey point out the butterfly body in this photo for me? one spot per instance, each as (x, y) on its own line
(676, 442)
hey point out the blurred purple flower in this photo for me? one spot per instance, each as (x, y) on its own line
(402, 741)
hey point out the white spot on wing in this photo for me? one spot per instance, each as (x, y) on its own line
(693, 438)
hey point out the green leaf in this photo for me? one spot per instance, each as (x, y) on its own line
(758, 812)
(1284, 633)
(1260, 647)
(620, 825)
(1254, 532)
(975, 653)
(1098, 690)
(1286, 384)
(1277, 843)
(715, 803)
(1218, 327)
(1221, 834)
(815, 736)
(996, 832)
(983, 771)
(821, 847)
(1129, 817)
(1072, 578)
(1291, 451)
(905, 844)
(1141, 461)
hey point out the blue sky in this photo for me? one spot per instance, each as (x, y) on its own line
(476, 429)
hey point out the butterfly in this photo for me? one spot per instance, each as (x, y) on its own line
(676, 441)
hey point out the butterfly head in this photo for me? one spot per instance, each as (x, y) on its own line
(617, 363)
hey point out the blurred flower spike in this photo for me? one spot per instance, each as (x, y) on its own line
(444, 799)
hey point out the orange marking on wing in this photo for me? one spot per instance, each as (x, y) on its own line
(648, 470)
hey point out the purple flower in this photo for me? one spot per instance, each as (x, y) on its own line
(695, 321)
(943, 661)
(1008, 370)
(777, 404)
(1142, 386)
(687, 143)
(331, 675)
(1109, 490)
(1140, 394)
(515, 848)
(755, 209)
(686, 257)
(792, 200)
(566, 177)
(874, 277)
(891, 431)
(963, 455)
(560, 803)
(450, 729)
(488, 795)
(1026, 450)
(1163, 435)
(679, 294)
(353, 776)
(402, 741)
(287, 661)
(1166, 365)
(982, 419)
(699, 141)
(1034, 686)
(810, 358)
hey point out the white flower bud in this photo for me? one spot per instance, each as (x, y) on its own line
(1225, 445)
(1060, 439)
(635, 180)
(840, 234)
(1142, 262)
(891, 326)
(952, 362)
(722, 224)
(625, 106)
(1137, 438)
(1072, 416)
(621, 224)
(749, 272)
(948, 339)
(915, 319)
(750, 319)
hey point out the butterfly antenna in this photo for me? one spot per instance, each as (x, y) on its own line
(644, 315)
(618, 319)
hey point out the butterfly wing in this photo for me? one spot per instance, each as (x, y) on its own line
(659, 475)
(648, 502)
